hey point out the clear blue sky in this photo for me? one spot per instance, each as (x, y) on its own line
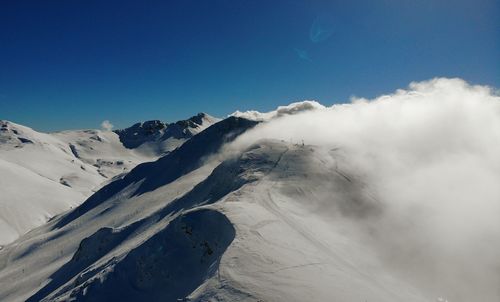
(74, 63)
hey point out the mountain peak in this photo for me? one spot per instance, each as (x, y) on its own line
(196, 121)
(158, 131)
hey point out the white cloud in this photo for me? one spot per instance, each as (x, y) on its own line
(430, 153)
(106, 125)
(291, 109)
(253, 115)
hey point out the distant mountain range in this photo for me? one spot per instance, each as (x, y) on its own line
(45, 174)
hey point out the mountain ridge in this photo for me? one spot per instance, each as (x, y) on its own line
(158, 131)
(67, 167)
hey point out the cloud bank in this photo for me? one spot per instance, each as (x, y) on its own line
(431, 155)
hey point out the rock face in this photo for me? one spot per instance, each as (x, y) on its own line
(140, 133)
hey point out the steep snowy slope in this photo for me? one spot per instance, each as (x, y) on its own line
(46, 174)
(275, 222)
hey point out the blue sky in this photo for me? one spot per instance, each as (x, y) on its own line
(71, 64)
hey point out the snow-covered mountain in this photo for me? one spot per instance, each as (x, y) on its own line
(161, 137)
(44, 174)
(306, 203)
(190, 227)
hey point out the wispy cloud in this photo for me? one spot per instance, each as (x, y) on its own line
(293, 108)
(106, 125)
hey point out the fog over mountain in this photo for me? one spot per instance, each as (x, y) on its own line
(429, 156)
(390, 199)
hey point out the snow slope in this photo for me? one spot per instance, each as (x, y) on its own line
(257, 226)
(46, 174)
(40, 178)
